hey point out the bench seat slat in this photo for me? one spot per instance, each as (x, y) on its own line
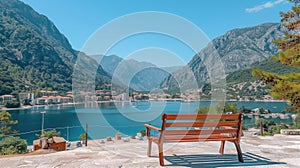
(213, 136)
(168, 139)
(199, 132)
(202, 117)
(202, 124)
(199, 140)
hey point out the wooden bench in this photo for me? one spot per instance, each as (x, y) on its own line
(197, 127)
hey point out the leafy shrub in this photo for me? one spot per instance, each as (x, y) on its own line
(12, 104)
(265, 123)
(50, 134)
(219, 107)
(244, 127)
(143, 132)
(270, 127)
(82, 136)
(12, 145)
(275, 129)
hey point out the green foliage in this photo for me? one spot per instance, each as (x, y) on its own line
(270, 127)
(231, 108)
(269, 65)
(143, 132)
(202, 110)
(34, 54)
(5, 122)
(176, 96)
(220, 107)
(264, 111)
(265, 124)
(12, 104)
(275, 129)
(245, 76)
(82, 136)
(27, 60)
(244, 127)
(50, 134)
(244, 109)
(286, 86)
(26, 102)
(12, 145)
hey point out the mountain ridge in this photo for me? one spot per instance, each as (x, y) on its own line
(237, 49)
(144, 76)
(34, 54)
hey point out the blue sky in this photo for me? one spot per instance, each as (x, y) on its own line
(78, 19)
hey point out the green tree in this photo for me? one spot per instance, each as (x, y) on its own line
(49, 134)
(286, 86)
(202, 110)
(12, 145)
(275, 129)
(220, 107)
(6, 122)
(12, 104)
(231, 108)
(264, 111)
(265, 124)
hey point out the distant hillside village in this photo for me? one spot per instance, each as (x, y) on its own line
(45, 97)
(42, 98)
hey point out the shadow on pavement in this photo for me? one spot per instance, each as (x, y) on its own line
(217, 160)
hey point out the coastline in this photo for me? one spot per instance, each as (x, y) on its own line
(161, 100)
(36, 106)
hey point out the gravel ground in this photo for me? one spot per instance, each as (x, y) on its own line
(277, 151)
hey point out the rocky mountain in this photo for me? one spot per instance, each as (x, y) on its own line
(148, 79)
(33, 53)
(140, 76)
(237, 49)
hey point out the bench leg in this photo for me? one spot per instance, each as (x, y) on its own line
(239, 151)
(149, 147)
(221, 151)
(161, 154)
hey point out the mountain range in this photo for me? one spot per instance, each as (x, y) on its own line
(140, 76)
(35, 55)
(238, 49)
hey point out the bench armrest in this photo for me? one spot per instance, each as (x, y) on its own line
(152, 127)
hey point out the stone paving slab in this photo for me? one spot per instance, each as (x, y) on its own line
(274, 152)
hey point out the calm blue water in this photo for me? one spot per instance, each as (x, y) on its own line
(106, 119)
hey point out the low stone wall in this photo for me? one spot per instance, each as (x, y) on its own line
(290, 131)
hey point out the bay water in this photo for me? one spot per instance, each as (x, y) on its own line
(105, 119)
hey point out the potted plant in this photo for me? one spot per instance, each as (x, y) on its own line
(83, 138)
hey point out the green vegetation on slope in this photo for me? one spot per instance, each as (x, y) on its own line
(268, 65)
(34, 54)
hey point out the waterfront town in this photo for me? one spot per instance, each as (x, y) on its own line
(45, 97)
(52, 97)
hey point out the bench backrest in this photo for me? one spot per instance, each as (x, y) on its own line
(205, 125)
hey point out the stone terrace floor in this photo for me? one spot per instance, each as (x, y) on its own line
(277, 151)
